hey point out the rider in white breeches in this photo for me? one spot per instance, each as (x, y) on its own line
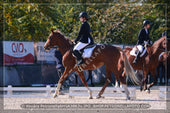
(143, 38)
(84, 38)
(81, 45)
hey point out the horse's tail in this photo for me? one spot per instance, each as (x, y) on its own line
(129, 70)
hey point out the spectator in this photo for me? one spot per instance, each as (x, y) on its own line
(59, 66)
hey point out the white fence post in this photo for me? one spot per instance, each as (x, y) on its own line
(48, 90)
(9, 92)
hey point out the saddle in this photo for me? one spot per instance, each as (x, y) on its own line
(135, 50)
(88, 47)
(88, 50)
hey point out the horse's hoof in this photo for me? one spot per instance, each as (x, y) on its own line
(141, 89)
(116, 86)
(147, 91)
(55, 95)
(128, 98)
(90, 97)
(123, 91)
(98, 97)
(61, 93)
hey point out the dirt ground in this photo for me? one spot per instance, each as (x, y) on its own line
(151, 99)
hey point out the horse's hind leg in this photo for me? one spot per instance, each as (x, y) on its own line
(116, 83)
(61, 80)
(153, 72)
(144, 80)
(108, 80)
(81, 75)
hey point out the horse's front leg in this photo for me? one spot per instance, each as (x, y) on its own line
(145, 83)
(82, 77)
(61, 80)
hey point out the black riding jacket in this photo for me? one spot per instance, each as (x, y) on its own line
(84, 34)
(143, 36)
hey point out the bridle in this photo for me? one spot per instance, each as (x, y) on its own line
(55, 46)
(47, 47)
(150, 45)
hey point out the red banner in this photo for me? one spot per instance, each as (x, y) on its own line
(18, 52)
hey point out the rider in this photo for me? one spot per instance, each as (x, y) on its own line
(84, 38)
(143, 38)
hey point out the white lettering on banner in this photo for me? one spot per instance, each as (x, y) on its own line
(16, 52)
(43, 55)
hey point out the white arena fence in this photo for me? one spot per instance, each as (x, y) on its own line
(164, 93)
(73, 91)
(31, 91)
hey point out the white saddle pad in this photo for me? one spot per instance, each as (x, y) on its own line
(88, 52)
(134, 52)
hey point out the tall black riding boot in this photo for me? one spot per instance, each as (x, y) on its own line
(78, 56)
(136, 58)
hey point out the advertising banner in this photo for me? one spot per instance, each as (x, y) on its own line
(16, 52)
(42, 55)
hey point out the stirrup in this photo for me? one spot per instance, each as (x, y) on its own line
(135, 61)
(80, 62)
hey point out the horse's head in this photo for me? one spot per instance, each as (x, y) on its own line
(161, 43)
(52, 40)
(168, 43)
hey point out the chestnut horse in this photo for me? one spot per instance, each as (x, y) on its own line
(147, 63)
(102, 55)
(164, 61)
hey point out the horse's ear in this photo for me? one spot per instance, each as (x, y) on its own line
(52, 30)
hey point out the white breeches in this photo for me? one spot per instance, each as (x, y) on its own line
(140, 48)
(81, 45)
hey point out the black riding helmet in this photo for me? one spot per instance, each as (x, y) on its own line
(146, 22)
(84, 14)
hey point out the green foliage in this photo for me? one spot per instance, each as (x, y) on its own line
(1, 21)
(110, 22)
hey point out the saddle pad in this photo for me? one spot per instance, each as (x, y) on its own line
(88, 52)
(133, 52)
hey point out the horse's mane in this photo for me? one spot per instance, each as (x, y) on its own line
(157, 43)
(63, 37)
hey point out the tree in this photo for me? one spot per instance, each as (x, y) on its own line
(110, 22)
